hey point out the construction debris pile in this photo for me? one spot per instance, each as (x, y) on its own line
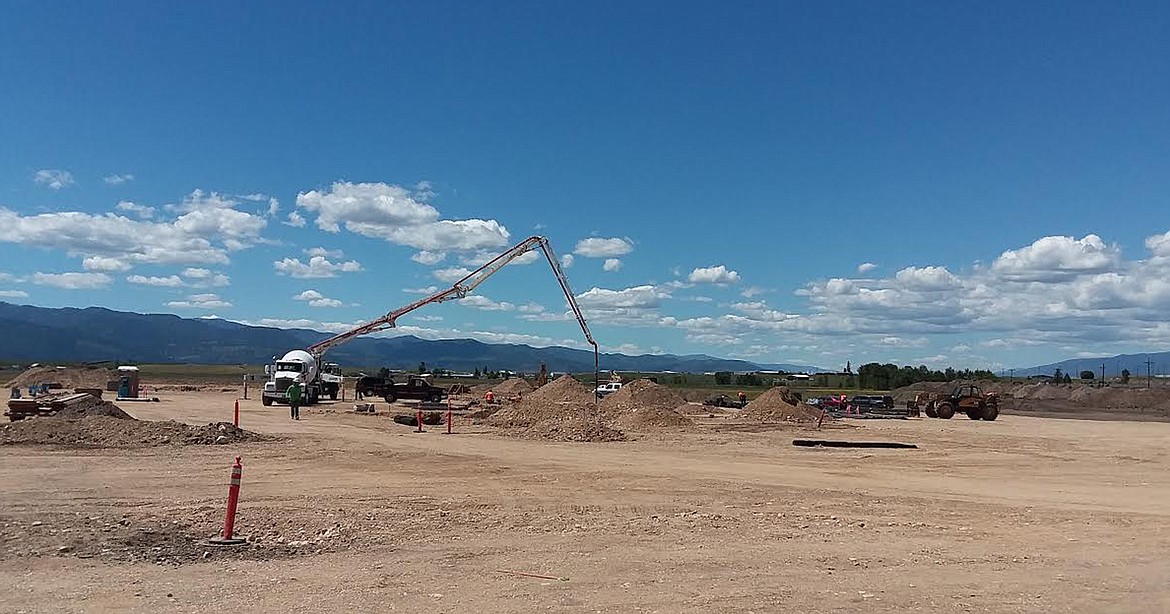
(779, 405)
(101, 424)
(643, 404)
(559, 411)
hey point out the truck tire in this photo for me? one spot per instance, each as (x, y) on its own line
(266, 401)
(930, 411)
(390, 398)
(975, 414)
(312, 398)
(435, 397)
(945, 410)
(333, 395)
(991, 413)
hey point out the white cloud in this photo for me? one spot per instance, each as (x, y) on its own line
(611, 264)
(1159, 245)
(316, 299)
(485, 304)
(105, 265)
(13, 294)
(170, 281)
(866, 267)
(531, 308)
(295, 220)
(567, 260)
(205, 230)
(751, 292)
(603, 248)
(638, 297)
(53, 178)
(426, 290)
(1052, 259)
(317, 267)
(427, 318)
(451, 275)
(396, 214)
(483, 257)
(201, 301)
(142, 211)
(713, 275)
(118, 179)
(328, 253)
(205, 278)
(429, 258)
(926, 278)
(72, 281)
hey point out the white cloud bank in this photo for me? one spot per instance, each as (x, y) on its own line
(400, 216)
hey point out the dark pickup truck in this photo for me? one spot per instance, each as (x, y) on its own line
(415, 388)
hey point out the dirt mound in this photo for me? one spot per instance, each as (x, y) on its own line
(563, 397)
(643, 403)
(68, 377)
(561, 410)
(571, 429)
(96, 407)
(102, 431)
(513, 386)
(779, 405)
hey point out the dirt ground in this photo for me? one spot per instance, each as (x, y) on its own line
(354, 513)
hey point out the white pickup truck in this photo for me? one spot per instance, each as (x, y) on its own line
(608, 388)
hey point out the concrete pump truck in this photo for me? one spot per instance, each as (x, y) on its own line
(320, 379)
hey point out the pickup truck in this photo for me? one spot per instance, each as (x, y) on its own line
(414, 387)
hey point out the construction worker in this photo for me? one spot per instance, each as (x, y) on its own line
(489, 397)
(294, 399)
(742, 399)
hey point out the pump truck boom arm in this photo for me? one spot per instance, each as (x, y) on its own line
(462, 288)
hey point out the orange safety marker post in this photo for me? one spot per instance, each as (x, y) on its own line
(448, 415)
(227, 538)
(821, 420)
(236, 415)
(419, 417)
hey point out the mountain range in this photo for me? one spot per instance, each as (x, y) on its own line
(98, 334)
(1159, 363)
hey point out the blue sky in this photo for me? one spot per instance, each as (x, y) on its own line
(980, 186)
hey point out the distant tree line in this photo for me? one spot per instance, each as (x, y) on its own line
(875, 376)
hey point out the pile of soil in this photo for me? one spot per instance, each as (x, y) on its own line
(779, 405)
(645, 404)
(561, 410)
(94, 407)
(68, 377)
(558, 399)
(104, 431)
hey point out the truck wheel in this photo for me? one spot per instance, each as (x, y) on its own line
(991, 413)
(312, 400)
(266, 401)
(389, 397)
(435, 398)
(974, 414)
(930, 411)
(945, 410)
(333, 395)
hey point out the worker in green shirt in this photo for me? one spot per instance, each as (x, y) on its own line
(294, 399)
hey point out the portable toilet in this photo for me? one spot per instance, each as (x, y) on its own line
(128, 382)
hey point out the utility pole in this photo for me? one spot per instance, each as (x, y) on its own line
(1102, 373)
(1012, 376)
(1149, 363)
